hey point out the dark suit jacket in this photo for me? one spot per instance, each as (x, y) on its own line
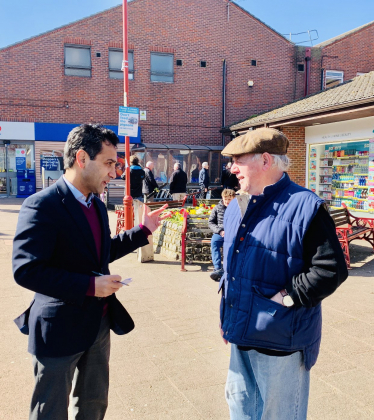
(54, 255)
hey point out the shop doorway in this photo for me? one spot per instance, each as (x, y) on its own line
(14, 155)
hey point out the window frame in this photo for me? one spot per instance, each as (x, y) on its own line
(334, 71)
(157, 73)
(85, 47)
(116, 70)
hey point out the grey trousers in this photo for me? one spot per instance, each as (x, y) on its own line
(87, 373)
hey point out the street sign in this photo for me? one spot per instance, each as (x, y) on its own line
(128, 121)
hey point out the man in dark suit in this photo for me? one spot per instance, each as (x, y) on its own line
(62, 249)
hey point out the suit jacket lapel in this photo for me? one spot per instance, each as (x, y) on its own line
(105, 237)
(73, 207)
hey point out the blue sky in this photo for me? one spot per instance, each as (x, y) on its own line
(21, 19)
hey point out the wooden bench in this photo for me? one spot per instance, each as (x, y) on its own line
(194, 230)
(349, 228)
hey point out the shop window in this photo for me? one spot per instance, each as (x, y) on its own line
(178, 155)
(162, 66)
(160, 160)
(340, 173)
(333, 78)
(215, 170)
(77, 61)
(198, 157)
(115, 64)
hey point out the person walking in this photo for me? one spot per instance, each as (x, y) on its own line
(281, 259)
(215, 224)
(137, 176)
(149, 182)
(178, 182)
(228, 179)
(204, 179)
(61, 251)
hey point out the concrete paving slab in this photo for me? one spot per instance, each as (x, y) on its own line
(173, 366)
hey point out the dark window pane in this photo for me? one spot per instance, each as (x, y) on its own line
(77, 72)
(77, 57)
(161, 63)
(161, 78)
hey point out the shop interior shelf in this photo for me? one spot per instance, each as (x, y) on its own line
(349, 189)
(350, 198)
(352, 208)
(322, 167)
(325, 183)
(348, 157)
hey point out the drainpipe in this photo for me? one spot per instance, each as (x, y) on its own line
(307, 71)
(223, 99)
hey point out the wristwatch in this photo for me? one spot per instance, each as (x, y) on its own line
(287, 299)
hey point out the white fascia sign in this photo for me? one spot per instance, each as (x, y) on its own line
(17, 130)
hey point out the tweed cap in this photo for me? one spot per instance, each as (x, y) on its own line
(258, 141)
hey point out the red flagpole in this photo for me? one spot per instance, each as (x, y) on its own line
(127, 199)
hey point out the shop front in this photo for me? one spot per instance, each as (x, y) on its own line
(191, 158)
(340, 163)
(17, 153)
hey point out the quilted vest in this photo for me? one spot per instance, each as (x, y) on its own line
(262, 252)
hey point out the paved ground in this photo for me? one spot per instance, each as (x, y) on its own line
(173, 365)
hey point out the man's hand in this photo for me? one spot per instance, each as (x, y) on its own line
(221, 331)
(222, 233)
(278, 298)
(152, 219)
(107, 285)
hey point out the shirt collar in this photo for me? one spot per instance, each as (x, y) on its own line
(78, 195)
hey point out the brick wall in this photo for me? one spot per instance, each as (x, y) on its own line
(352, 54)
(296, 152)
(34, 88)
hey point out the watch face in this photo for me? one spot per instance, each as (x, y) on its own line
(288, 301)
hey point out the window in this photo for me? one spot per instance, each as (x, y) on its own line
(254, 63)
(300, 67)
(333, 78)
(115, 64)
(202, 63)
(162, 67)
(179, 62)
(78, 61)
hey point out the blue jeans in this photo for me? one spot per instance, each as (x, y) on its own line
(215, 245)
(261, 387)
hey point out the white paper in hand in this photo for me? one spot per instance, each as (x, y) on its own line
(126, 281)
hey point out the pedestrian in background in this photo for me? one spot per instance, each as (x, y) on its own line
(66, 264)
(137, 176)
(228, 179)
(204, 179)
(281, 259)
(216, 226)
(178, 182)
(149, 182)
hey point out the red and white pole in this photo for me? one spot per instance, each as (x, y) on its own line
(127, 199)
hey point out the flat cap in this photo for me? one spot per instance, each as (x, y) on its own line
(261, 140)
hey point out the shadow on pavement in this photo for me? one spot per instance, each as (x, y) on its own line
(362, 260)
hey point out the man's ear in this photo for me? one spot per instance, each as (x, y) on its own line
(267, 161)
(81, 158)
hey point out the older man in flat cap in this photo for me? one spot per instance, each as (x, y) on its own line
(281, 258)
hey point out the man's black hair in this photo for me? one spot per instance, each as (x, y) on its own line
(87, 137)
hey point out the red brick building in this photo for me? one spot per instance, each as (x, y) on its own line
(195, 68)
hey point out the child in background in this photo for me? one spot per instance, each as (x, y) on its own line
(216, 225)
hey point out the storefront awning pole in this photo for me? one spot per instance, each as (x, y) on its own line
(127, 199)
